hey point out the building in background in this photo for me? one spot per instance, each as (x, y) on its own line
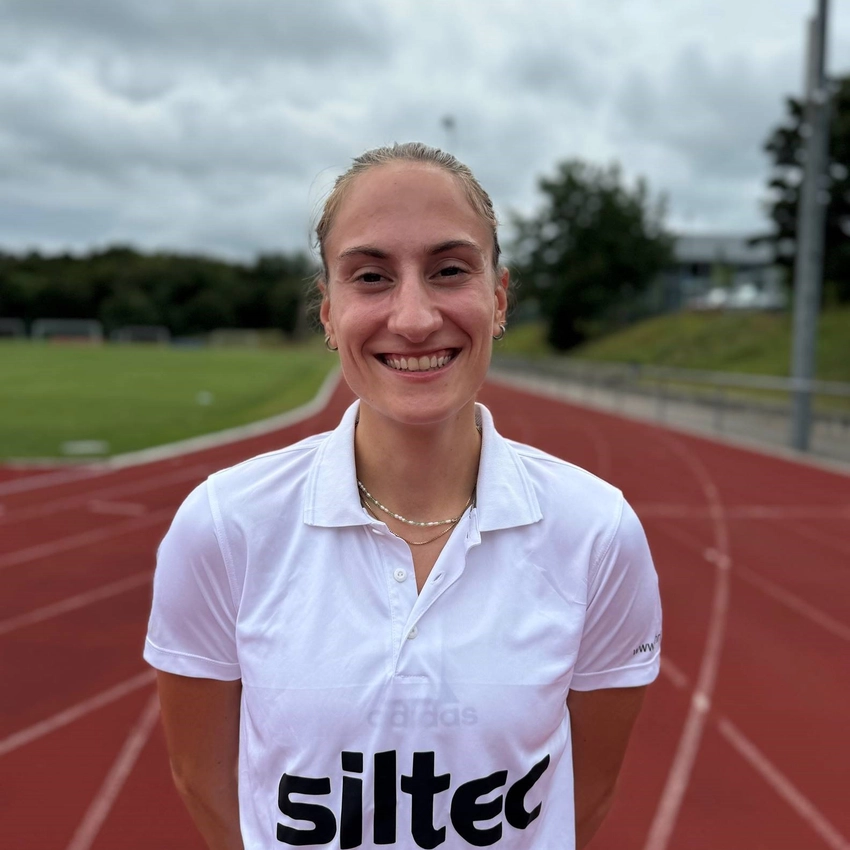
(723, 273)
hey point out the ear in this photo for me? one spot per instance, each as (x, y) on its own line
(502, 286)
(325, 313)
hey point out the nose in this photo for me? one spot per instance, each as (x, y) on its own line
(414, 312)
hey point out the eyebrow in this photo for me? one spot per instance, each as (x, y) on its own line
(452, 244)
(441, 248)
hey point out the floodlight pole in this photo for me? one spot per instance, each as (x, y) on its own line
(811, 221)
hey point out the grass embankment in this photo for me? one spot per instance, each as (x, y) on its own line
(133, 396)
(758, 343)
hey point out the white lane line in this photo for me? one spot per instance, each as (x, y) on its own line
(767, 770)
(674, 674)
(118, 774)
(794, 602)
(85, 538)
(48, 479)
(673, 794)
(783, 786)
(770, 588)
(107, 495)
(73, 603)
(75, 712)
(823, 537)
(96, 506)
(827, 832)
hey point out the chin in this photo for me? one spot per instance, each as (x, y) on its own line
(421, 414)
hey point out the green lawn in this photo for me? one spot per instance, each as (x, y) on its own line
(758, 343)
(134, 396)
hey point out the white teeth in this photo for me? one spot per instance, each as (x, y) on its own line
(417, 364)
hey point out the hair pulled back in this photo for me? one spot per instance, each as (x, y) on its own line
(414, 152)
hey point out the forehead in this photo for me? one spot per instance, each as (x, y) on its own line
(402, 206)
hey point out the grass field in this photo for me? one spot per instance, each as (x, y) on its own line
(758, 343)
(133, 396)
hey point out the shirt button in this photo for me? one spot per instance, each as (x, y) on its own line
(412, 633)
(400, 575)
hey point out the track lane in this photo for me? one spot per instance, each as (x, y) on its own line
(50, 782)
(62, 661)
(148, 809)
(636, 460)
(69, 572)
(739, 490)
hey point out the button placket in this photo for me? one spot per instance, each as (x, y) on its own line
(396, 565)
(401, 587)
(447, 570)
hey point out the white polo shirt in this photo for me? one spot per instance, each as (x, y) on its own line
(375, 716)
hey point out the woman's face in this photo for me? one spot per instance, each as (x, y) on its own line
(412, 300)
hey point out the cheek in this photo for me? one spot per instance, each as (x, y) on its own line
(352, 318)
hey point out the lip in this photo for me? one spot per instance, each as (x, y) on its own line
(420, 373)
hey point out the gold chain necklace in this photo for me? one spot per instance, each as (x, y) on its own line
(451, 521)
(413, 542)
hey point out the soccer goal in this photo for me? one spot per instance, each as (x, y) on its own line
(88, 331)
(12, 328)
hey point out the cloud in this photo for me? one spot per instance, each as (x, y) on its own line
(218, 125)
(212, 34)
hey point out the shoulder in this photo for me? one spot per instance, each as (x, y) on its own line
(559, 484)
(270, 478)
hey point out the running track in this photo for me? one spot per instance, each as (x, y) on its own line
(743, 743)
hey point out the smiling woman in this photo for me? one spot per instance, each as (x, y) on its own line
(409, 278)
(359, 625)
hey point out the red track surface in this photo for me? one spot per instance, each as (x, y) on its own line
(743, 743)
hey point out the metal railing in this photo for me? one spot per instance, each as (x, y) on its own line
(756, 407)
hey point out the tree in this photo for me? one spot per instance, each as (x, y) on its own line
(188, 294)
(282, 283)
(128, 306)
(594, 246)
(785, 147)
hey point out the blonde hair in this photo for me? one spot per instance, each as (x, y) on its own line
(415, 152)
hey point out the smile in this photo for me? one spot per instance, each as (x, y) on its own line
(424, 363)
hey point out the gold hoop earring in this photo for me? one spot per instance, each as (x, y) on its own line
(501, 333)
(328, 343)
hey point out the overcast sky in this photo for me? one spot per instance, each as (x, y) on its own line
(218, 125)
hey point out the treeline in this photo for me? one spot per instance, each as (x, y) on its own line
(187, 294)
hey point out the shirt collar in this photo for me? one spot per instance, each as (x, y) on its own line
(332, 496)
(505, 496)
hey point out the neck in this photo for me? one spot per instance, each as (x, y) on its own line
(423, 472)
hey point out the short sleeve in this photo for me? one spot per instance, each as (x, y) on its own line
(192, 627)
(620, 644)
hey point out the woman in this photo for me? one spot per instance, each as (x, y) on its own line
(409, 631)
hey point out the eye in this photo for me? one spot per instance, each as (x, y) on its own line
(370, 277)
(451, 271)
